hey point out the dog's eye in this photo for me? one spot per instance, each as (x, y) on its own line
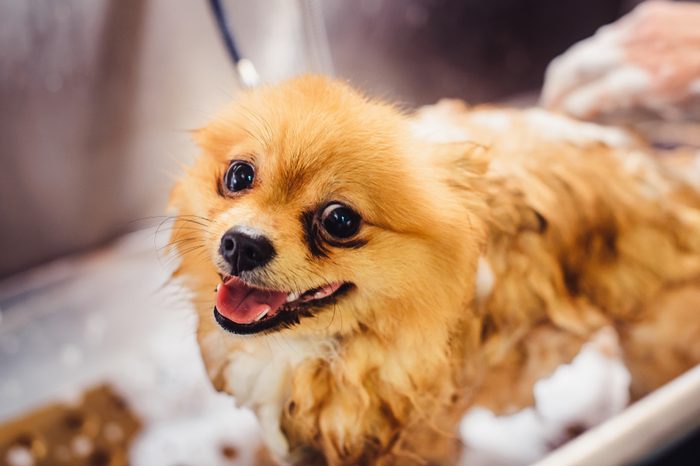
(239, 176)
(340, 221)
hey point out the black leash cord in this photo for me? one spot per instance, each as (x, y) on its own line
(225, 30)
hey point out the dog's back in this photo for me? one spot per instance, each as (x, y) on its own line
(588, 227)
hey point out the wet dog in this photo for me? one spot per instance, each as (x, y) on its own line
(379, 271)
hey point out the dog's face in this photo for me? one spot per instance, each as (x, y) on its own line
(313, 209)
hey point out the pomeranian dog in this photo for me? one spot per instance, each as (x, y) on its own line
(378, 271)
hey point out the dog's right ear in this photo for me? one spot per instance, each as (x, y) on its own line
(174, 199)
(205, 137)
(216, 137)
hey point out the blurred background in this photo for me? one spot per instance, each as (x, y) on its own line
(97, 98)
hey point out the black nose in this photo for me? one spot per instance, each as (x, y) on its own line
(245, 252)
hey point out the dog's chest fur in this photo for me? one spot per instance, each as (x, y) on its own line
(259, 373)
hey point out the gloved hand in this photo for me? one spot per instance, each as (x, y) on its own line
(647, 63)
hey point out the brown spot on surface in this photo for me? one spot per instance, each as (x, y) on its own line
(59, 434)
(24, 440)
(99, 457)
(73, 420)
(574, 430)
(228, 451)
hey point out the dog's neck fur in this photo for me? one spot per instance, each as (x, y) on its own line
(389, 377)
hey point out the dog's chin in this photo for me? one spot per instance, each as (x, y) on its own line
(246, 309)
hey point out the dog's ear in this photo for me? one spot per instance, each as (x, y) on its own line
(216, 137)
(205, 137)
(465, 157)
(174, 199)
(443, 128)
(463, 168)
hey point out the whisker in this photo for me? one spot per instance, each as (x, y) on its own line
(182, 241)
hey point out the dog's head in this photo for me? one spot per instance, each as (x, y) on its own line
(315, 209)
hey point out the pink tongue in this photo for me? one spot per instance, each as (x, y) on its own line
(243, 304)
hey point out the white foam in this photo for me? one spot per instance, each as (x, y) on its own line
(497, 120)
(589, 390)
(19, 456)
(558, 127)
(583, 62)
(434, 124)
(485, 279)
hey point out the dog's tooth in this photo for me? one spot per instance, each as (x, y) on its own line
(325, 292)
(217, 287)
(263, 313)
(293, 296)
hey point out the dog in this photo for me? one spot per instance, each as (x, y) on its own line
(363, 274)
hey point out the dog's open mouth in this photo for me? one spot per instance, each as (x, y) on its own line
(245, 309)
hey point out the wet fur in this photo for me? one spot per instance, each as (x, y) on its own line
(575, 235)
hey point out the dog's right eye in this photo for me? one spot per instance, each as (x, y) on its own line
(239, 176)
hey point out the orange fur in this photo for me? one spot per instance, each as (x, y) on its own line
(578, 234)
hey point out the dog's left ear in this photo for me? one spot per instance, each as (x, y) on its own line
(442, 128)
(463, 156)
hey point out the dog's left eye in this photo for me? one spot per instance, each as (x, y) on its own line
(239, 176)
(340, 221)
